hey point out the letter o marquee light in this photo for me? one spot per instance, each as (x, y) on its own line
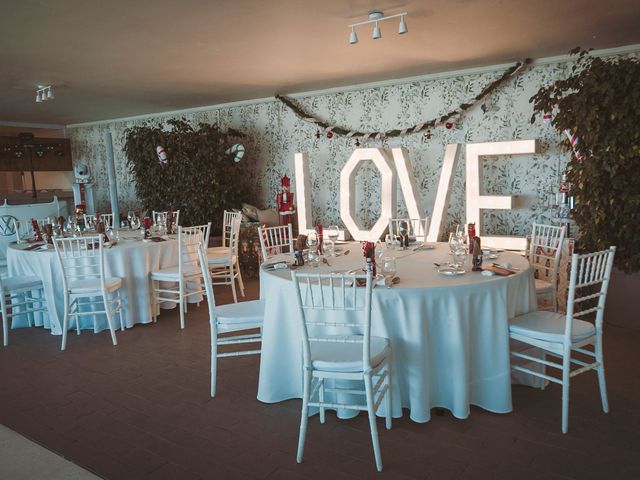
(381, 160)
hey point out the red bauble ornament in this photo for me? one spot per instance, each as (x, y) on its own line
(329, 134)
(449, 125)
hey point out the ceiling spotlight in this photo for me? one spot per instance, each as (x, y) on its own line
(375, 17)
(353, 38)
(403, 26)
(376, 32)
(44, 93)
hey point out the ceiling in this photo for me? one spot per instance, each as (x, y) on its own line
(110, 59)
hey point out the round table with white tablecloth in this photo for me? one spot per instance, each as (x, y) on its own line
(449, 334)
(131, 260)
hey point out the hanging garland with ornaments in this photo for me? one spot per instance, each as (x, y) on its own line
(448, 119)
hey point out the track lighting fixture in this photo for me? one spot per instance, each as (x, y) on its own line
(375, 17)
(44, 93)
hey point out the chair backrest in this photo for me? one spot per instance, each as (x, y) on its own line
(21, 229)
(208, 284)
(417, 227)
(107, 218)
(160, 218)
(329, 294)
(80, 258)
(545, 250)
(274, 239)
(190, 241)
(587, 272)
(227, 225)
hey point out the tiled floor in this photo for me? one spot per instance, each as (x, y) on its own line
(142, 410)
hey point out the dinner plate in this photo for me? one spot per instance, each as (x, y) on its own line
(451, 271)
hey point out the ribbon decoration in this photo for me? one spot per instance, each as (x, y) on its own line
(237, 150)
(447, 119)
(574, 141)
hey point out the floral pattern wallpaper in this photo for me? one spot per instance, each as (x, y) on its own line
(275, 134)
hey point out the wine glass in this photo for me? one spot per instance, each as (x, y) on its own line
(454, 247)
(332, 234)
(131, 215)
(312, 243)
(388, 269)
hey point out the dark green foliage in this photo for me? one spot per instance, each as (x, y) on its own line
(199, 178)
(601, 102)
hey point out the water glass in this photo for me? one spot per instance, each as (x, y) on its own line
(389, 267)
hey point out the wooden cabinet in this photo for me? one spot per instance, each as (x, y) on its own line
(46, 155)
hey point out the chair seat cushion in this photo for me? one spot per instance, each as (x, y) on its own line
(347, 357)
(549, 326)
(220, 259)
(543, 286)
(242, 312)
(171, 273)
(93, 285)
(19, 282)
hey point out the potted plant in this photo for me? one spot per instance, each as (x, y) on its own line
(599, 105)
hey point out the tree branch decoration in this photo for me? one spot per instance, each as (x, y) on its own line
(510, 73)
(197, 176)
(599, 104)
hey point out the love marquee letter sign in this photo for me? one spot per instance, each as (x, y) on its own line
(395, 168)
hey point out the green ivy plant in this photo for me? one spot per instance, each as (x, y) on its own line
(600, 102)
(199, 178)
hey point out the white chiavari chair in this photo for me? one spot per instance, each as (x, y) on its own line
(236, 321)
(544, 254)
(224, 266)
(20, 295)
(160, 218)
(565, 336)
(417, 227)
(328, 303)
(274, 239)
(227, 226)
(86, 287)
(107, 218)
(187, 272)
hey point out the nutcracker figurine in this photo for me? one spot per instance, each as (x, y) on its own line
(285, 203)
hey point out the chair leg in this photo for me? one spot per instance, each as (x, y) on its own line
(565, 390)
(233, 284)
(112, 328)
(214, 362)
(321, 398)
(182, 303)
(65, 323)
(77, 316)
(372, 422)
(119, 304)
(601, 379)
(388, 399)
(304, 416)
(5, 320)
(240, 282)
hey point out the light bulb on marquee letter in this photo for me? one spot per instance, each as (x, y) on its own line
(476, 202)
(381, 160)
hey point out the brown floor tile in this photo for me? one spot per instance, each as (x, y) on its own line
(142, 410)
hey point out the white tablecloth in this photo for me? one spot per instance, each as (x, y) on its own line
(449, 335)
(130, 260)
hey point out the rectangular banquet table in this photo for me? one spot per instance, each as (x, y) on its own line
(132, 260)
(449, 335)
